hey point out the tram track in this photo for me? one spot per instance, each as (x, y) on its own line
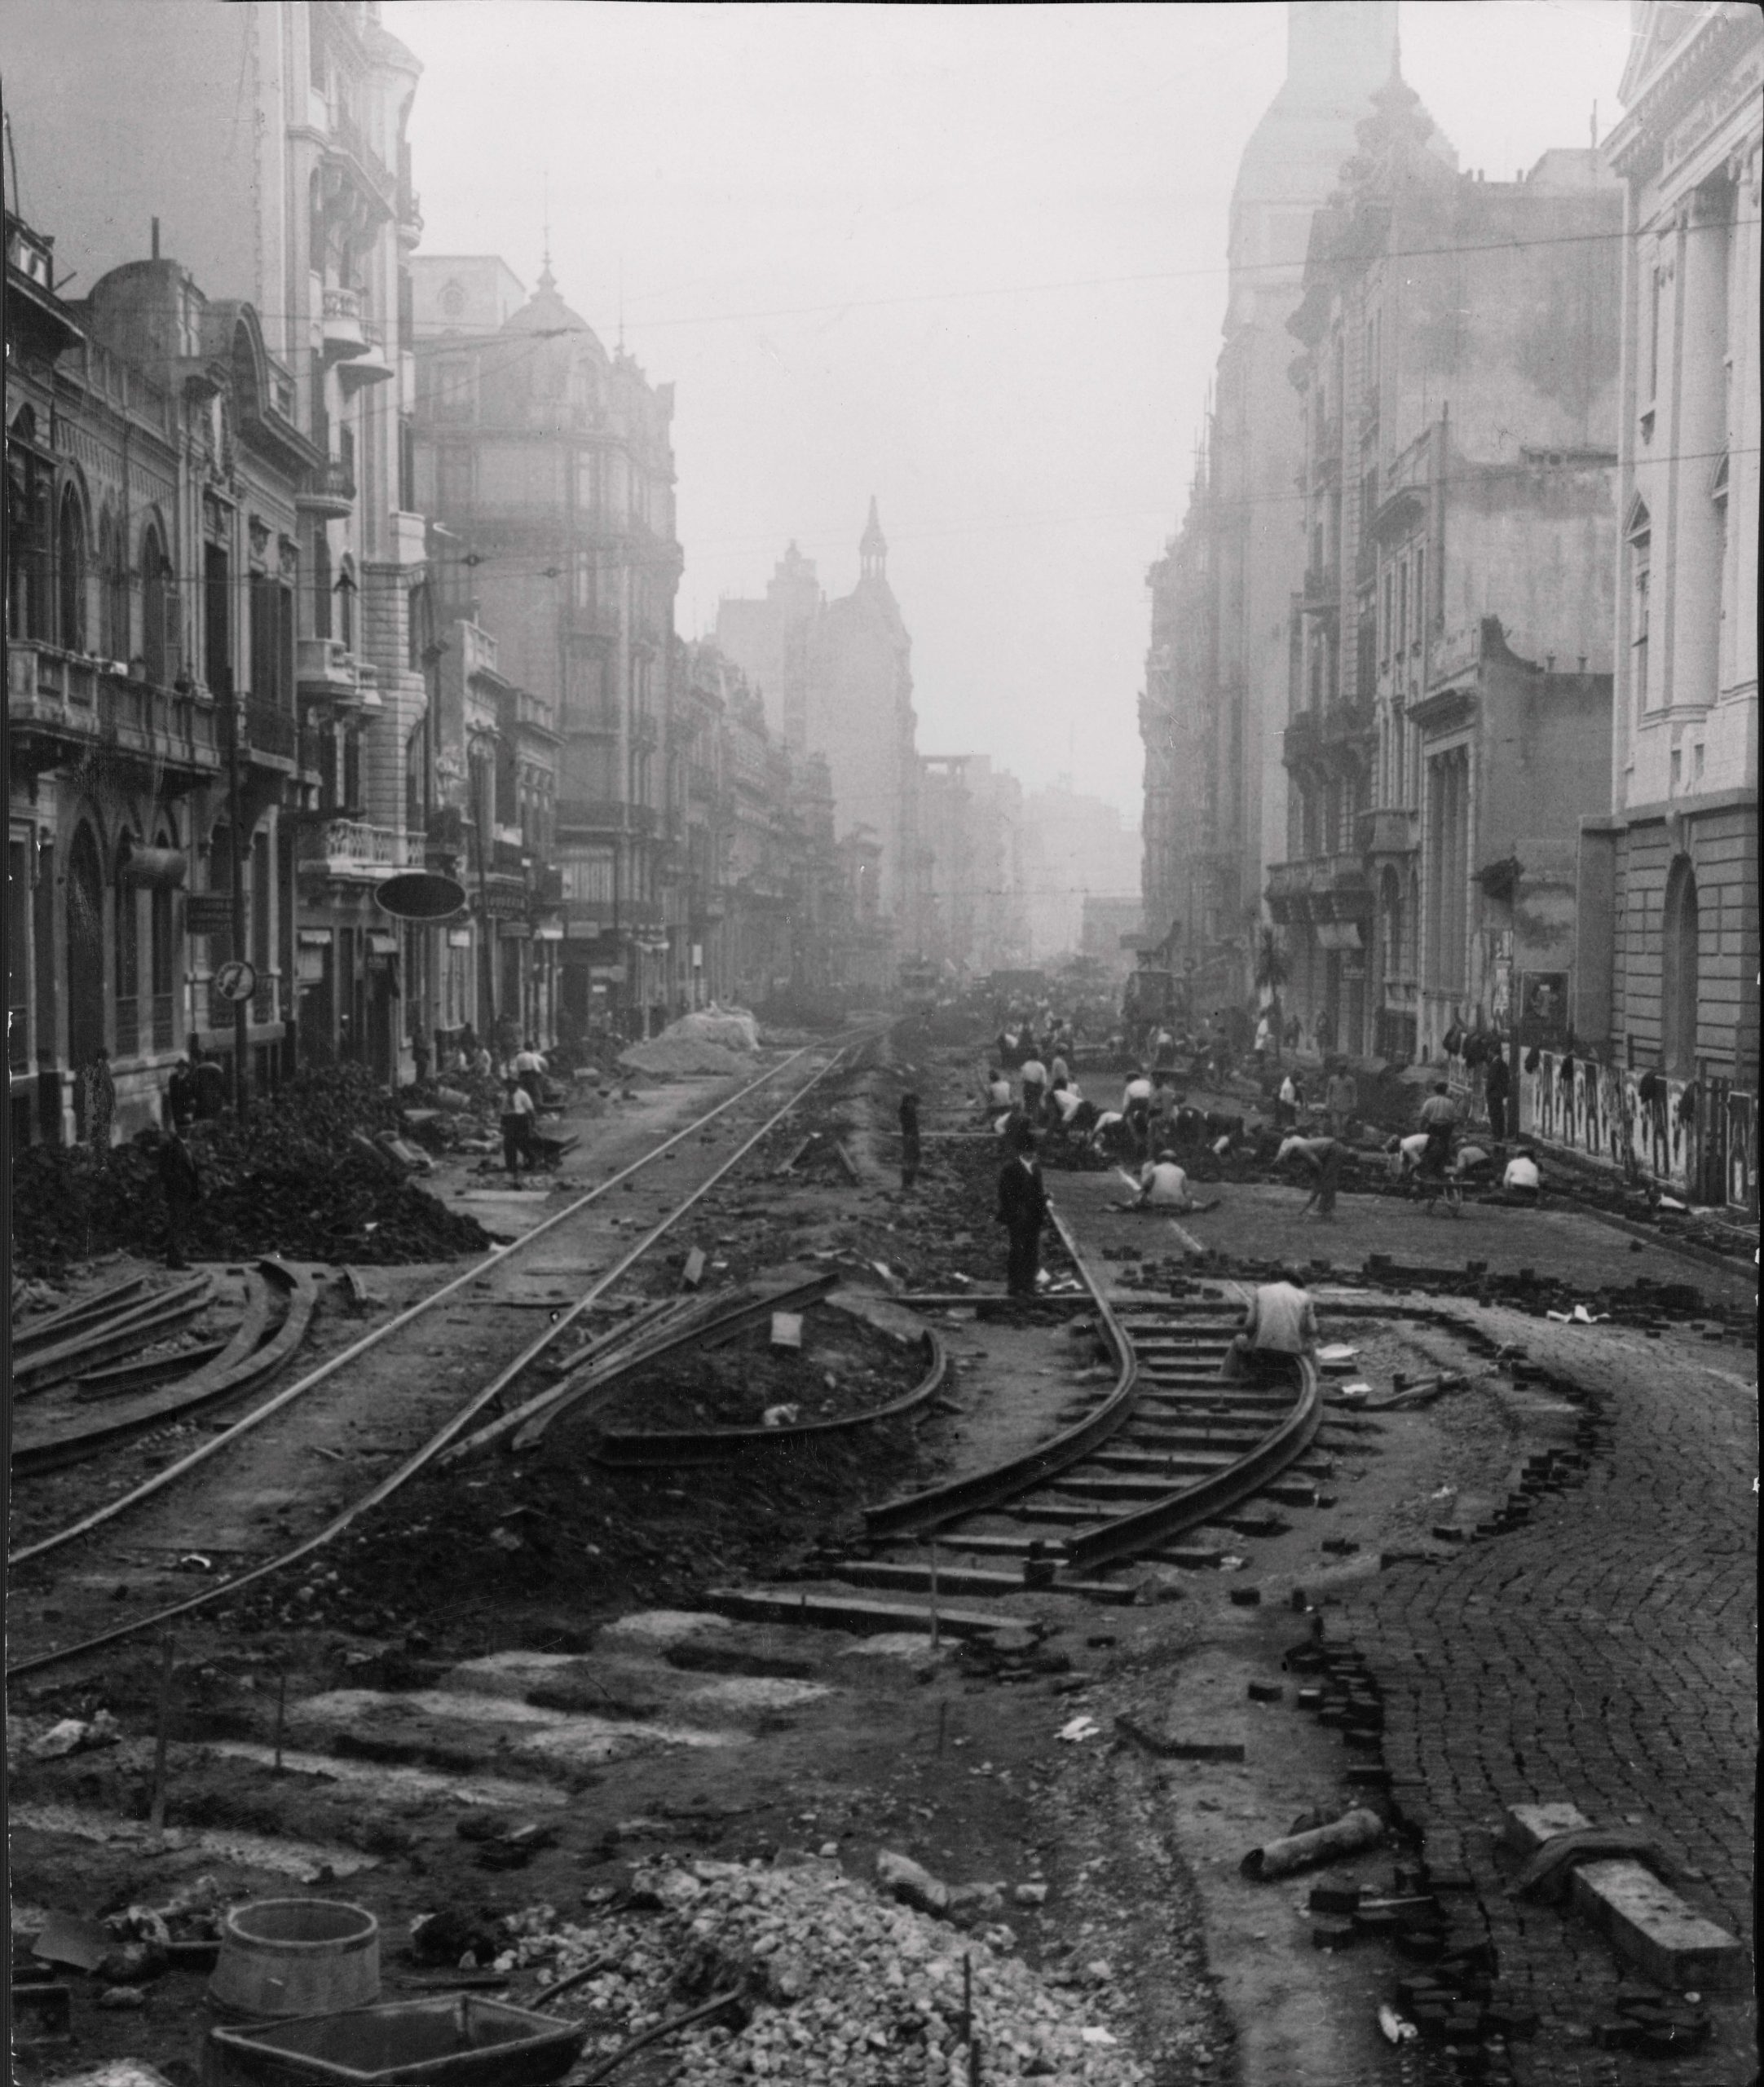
(461, 1413)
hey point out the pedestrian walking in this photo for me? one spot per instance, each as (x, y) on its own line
(1279, 1327)
(421, 1055)
(1496, 1085)
(910, 1149)
(529, 1070)
(1324, 1156)
(99, 1096)
(1022, 1211)
(181, 1184)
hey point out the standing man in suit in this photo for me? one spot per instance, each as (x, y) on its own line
(1022, 1211)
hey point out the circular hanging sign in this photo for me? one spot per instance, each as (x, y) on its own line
(421, 895)
(236, 980)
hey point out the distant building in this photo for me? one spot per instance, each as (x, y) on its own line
(1669, 895)
(1109, 931)
(970, 835)
(1074, 847)
(1449, 647)
(548, 463)
(836, 680)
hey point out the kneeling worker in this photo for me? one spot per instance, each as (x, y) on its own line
(1522, 1180)
(1280, 1326)
(1164, 1185)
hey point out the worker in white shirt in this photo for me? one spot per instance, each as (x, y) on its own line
(1164, 1185)
(1279, 1327)
(998, 1092)
(529, 1070)
(519, 1116)
(1522, 1180)
(1063, 1103)
(1033, 1075)
(1136, 1107)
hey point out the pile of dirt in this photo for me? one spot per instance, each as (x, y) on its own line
(293, 1179)
(668, 1057)
(841, 1369)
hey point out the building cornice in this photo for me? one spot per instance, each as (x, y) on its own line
(1636, 146)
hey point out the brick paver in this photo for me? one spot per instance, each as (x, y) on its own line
(1602, 1655)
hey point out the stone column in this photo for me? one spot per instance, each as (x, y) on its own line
(1699, 377)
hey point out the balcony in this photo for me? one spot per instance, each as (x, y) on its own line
(1319, 888)
(341, 326)
(603, 815)
(1337, 737)
(52, 705)
(270, 730)
(1322, 588)
(593, 619)
(353, 851)
(326, 672)
(1388, 831)
(329, 490)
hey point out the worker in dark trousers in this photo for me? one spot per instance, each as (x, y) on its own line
(1497, 1084)
(1324, 1158)
(182, 1185)
(1022, 1211)
(518, 1118)
(910, 1151)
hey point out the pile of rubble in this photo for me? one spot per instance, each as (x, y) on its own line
(303, 1176)
(835, 1984)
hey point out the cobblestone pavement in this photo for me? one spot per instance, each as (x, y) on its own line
(1602, 1655)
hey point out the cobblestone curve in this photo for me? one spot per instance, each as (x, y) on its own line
(1602, 1655)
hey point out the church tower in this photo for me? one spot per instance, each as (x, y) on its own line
(873, 549)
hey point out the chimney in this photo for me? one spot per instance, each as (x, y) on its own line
(156, 239)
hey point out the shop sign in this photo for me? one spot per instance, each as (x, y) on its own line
(208, 913)
(458, 937)
(613, 973)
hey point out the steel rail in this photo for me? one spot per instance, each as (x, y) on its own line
(991, 1488)
(242, 1364)
(1204, 1499)
(661, 1448)
(421, 1458)
(498, 1257)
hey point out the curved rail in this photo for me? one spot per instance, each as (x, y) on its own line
(1206, 1499)
(247, 1359)
(1001, 1482)
(447, 1433)
(631, 1451)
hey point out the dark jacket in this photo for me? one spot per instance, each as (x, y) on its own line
(177, 1174)
(1022, 1195)
(1497, 1080)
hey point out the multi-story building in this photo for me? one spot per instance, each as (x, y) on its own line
(1218, 673)
(271, 140)
(841, 686)
(153, 562)
(1450, 659)
(971, 832)
(1075, 848)
(1669, 878)
(550, 465)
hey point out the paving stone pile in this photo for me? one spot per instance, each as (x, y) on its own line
(839, 1986)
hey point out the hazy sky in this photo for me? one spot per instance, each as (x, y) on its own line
(967, 259)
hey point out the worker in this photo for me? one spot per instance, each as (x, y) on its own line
(1064, 1104)
(1406, 1154)
(1136, 1107)
(529, 1070)
(1522, 1180)
(1288, 1102)
(210, 1084)
(998, 1091)
(1022, 1211)
(1324, 1156)
(100, 1084)
(1057, 1068)
(910, 1145)
(1164, 1185)
(1279, 1326)
(519, 1116)
(1163, 1050)
(1439, 1120)
(179, 1111)
(1033, 1075)
(1341, 1096)
(1109, 1134)
(1496, 1085)
(181, 1182)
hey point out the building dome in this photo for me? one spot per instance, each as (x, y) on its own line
(545, 312)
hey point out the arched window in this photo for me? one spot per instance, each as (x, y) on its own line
(70, 572)
(155, 621)
(1680, 972)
